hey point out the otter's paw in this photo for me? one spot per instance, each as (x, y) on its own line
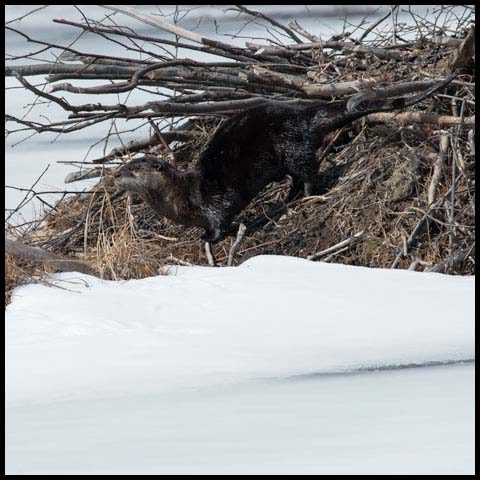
(213, 236)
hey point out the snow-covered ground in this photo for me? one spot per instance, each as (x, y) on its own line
(280, 365)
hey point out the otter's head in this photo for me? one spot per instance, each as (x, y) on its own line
(143, 174)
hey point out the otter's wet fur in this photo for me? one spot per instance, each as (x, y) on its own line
(249, 151)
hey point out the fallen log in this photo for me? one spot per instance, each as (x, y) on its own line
(38, 254)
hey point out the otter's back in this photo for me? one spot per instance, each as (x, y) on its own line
(251, 146)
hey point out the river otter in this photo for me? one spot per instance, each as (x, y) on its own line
(250, 150)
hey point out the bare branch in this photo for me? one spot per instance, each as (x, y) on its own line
(289, 31)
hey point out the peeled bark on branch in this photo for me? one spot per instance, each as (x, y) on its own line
(337, 89)
(406, 118)
(311, 89)
(292, 50)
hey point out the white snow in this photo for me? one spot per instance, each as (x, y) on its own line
(271, 317)
(242, 369)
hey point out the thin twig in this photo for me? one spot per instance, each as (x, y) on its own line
(337, 246)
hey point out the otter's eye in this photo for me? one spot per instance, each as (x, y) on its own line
(159, 167)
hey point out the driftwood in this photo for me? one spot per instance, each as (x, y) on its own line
(38, 254)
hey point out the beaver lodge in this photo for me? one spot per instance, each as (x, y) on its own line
(398, 187)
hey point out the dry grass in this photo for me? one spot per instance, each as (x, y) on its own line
(21, 272)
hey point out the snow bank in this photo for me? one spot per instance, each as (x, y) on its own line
(271, 317)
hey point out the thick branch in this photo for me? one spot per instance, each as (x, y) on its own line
(406, 118)
(37, 254)
(292, 50)
(337, 89)
(64, 69)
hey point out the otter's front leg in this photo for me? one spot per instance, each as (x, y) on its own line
(219, 227)
(215, 234)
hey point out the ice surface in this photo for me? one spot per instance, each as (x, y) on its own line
(413, 421)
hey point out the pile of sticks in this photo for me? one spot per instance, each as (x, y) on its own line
(186, 100)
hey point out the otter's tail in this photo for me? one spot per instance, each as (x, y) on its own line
(375, 100)
(333, 115)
